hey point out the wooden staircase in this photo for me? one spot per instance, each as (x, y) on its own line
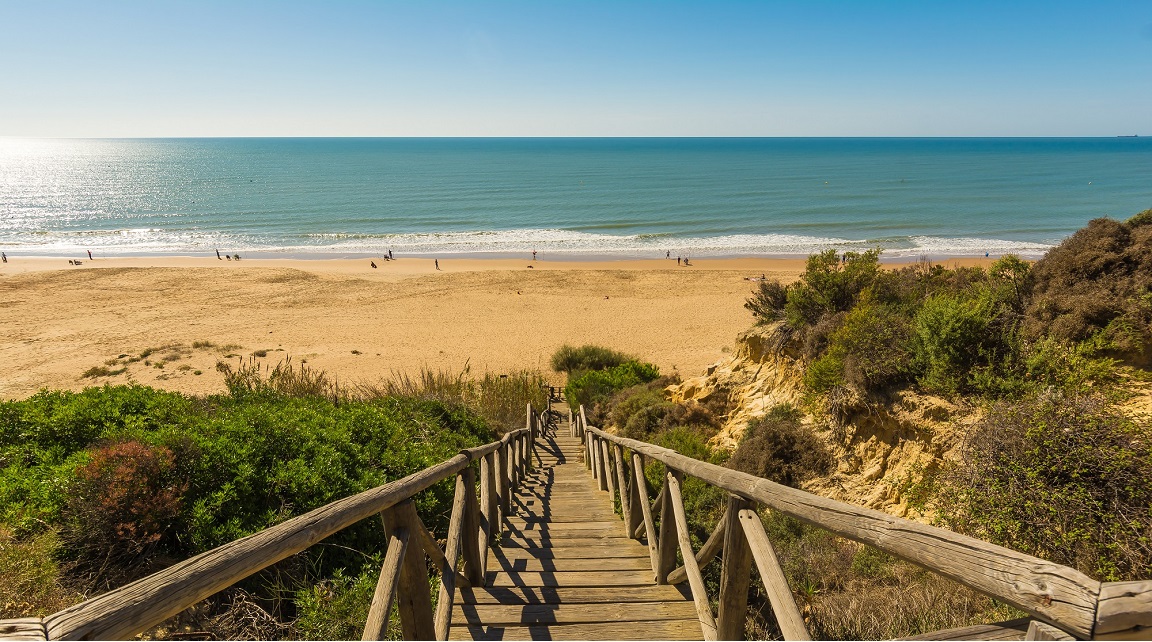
(566, 569)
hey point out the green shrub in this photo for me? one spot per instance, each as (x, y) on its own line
(150, 471)
(829, 285)
(872, 344)
(949, 331)
(1064, 478)
(337, 607)
(768, 302)
(597, 386)
(573, 360)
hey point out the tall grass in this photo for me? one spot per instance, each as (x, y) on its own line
(501, 399)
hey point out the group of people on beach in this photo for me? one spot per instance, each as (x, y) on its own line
(387, 257)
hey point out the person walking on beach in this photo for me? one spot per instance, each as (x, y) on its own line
(5, 255)
(89, 255)
(677, 260)
(437, 261)
(390, 256)
(533, 255)
(218, 257)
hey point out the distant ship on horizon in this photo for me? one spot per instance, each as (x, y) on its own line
(1128, 136)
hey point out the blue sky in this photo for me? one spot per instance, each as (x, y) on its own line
(545, 68)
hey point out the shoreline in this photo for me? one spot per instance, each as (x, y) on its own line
(416, 265)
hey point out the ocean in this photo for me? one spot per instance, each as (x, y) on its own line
(568, 198)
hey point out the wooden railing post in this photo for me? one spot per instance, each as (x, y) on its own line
(775, 583)
(635, 514)
(735, 574)
(452, 555)
(414, 602)
(503, 497)
(646, 510)
(489, 504)
(602, 465)
(673, 480)
(386, 586)
(608, 470)
(666, 548)
(622, 486)
(470, 544)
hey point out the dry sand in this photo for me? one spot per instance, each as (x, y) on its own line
(358, 323)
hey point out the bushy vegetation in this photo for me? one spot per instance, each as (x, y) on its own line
(1055, 469)
(1097, 287)
(779, 447)
(595, 374)
(102, 486)
(576, 360)
(1066, 478)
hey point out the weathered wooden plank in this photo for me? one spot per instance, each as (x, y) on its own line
(775, 583)
(524, 525)
(490, 502)
(525, 615)
(569, 594)
(571, 578)
(635, 520)
(672, 482)
(1125, 611)
(658, 630)
(559, 533)
(571, 564)
(1010, 630)
(735, 574)
(609, 470)
(543, 541)
(386, 586)
(25, 628)
(1056, 594)
(1038, 630)
(595, 550)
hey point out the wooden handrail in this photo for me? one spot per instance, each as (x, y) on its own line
(1056, 594)
(125, 612)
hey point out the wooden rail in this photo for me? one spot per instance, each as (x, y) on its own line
(475, 523)
(1061, 600)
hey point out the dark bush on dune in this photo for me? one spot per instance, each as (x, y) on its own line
(1097, 286)
(780, 448)
(573, 360)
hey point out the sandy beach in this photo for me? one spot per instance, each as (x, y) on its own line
(358, 323)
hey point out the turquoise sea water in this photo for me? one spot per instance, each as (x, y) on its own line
(568, 198)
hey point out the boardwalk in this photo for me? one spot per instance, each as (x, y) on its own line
(566, 570)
